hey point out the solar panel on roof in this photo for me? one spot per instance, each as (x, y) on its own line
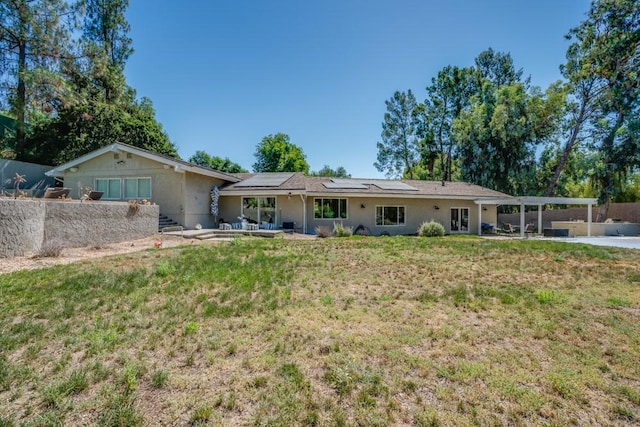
(345, 185)
(394, 185)
(266, 180)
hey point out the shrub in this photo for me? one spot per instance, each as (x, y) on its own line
(322, 231)
(431, 229)
(340, 230)
(50, 249)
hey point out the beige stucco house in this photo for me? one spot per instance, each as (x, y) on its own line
(273, 200)
(123, 172)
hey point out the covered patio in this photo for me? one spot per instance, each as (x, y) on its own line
(539, 202)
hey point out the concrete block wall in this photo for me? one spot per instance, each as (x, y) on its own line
(26, 225)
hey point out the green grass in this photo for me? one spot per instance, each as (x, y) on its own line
(354, 331)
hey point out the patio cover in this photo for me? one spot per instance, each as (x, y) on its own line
(539, 202)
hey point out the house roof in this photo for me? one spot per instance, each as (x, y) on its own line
(298, 183)
(177, 164)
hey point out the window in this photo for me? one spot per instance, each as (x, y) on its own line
(330, 208)
(137, 188)
(259, 209)
(389, 215)
(110, 187)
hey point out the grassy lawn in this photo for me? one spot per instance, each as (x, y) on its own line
(336, 332)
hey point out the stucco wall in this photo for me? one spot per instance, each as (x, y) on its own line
(197, 200)
(417, 211)
(21, 226)
(167, 185)
(26, 225)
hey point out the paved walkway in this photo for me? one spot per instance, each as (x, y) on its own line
(615, 241)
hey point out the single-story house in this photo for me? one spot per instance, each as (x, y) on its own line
(123, 172)
(183, 192)
(382, 206)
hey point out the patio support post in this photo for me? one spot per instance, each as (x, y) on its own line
(589, 218)
(480, 219)
(522, 220)
(304, 213)
(539, 219)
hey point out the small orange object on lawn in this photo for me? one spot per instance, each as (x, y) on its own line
(158, 244)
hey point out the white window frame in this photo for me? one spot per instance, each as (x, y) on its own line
(137, 178)
(107, 196)
(340, 200)
(391, 225)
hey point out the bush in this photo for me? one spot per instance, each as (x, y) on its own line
(50, 249)
(340, 230)
(323, 232)
(431, 229)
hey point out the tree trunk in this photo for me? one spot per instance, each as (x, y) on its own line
(568, 148)
(21, 101)
(607, 180)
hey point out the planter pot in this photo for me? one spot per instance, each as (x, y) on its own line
(95, 195)
(55, 193)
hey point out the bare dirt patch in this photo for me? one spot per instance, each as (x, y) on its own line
(70, 255)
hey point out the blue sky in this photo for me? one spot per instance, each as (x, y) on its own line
(222, 74)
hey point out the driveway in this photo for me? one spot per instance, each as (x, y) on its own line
(615, 241)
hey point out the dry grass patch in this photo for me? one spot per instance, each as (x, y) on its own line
(354, 331)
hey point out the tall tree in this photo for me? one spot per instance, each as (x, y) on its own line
(498, 135)
(448, 94)
(398, 153)
(497, 68)
(277, 154)
(607, 44)
(202, 158)
(106, 42)
(106, 109)
(339, 172)
(33, 38)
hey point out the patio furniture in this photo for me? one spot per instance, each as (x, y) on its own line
(530, 228)
(508, 228)
(94, 195)
(56, 193)
(288, 226)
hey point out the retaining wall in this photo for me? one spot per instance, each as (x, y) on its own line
(27, 225)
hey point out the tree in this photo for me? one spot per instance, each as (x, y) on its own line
(82, 128)
(33, 39)
(447, 96)
(202, 158)
(398, 153)
(497, 68)
(104, 108)
(605, 47)
(339, 172)
(107, 44)
(277, 154)
(498, 135)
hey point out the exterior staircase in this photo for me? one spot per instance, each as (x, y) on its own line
(165, 221)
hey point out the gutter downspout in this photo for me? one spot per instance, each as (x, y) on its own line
(479, 219)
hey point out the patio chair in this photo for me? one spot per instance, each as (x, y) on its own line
(530, 229)
(508, 228)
